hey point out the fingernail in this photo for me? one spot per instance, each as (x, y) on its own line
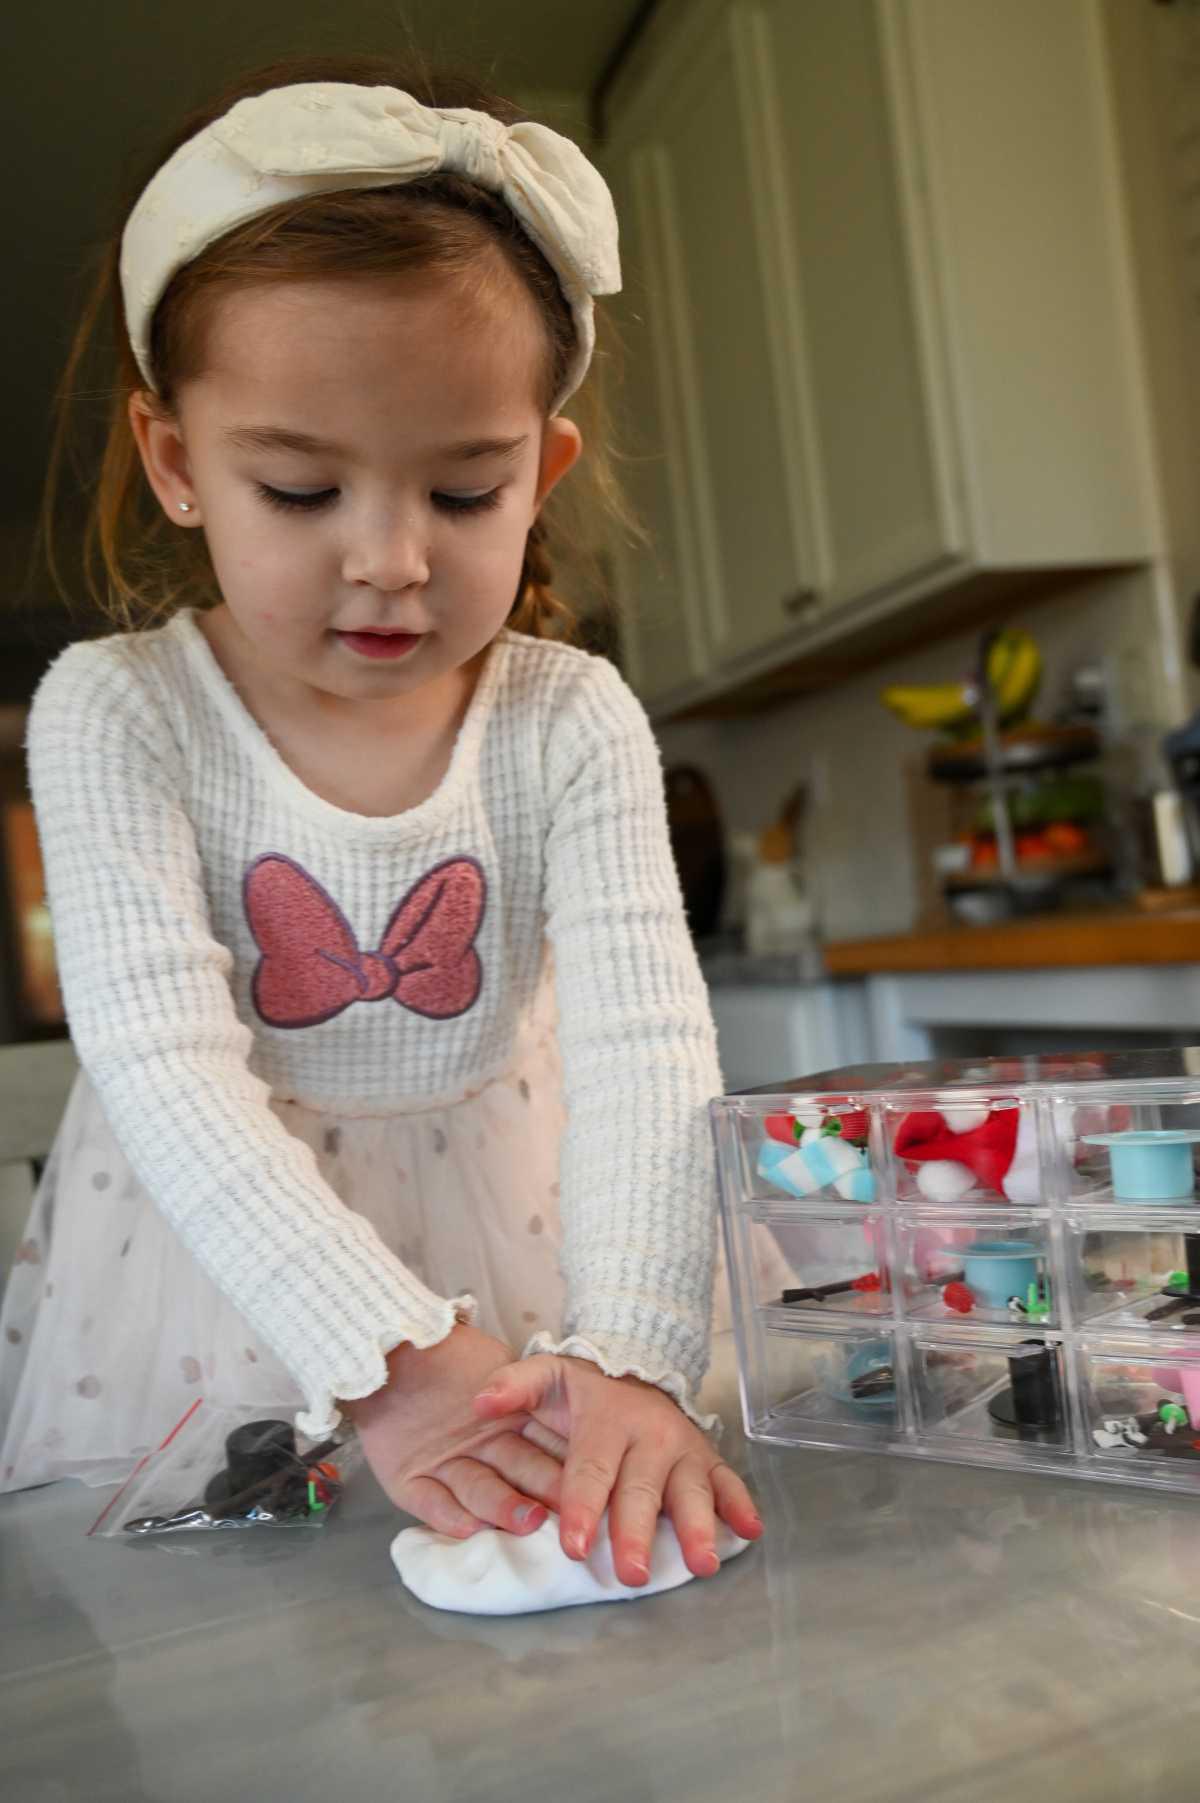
(713, 1564)
(577, 1544)
(526, 1513)
(641, 1571)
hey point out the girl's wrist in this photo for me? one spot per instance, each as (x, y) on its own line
(408, 1368)
(360, 1408)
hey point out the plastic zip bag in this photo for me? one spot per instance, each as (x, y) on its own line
(223, 1468)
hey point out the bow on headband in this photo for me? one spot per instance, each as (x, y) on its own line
(311, 967)
(319, 137)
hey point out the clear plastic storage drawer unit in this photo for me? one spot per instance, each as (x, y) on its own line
(994, 1262)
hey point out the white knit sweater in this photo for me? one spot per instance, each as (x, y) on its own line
(214, 921)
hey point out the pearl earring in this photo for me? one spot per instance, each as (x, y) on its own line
(185, 507)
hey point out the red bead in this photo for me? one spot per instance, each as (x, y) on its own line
(958, 1297)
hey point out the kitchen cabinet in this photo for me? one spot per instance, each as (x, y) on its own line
(885, 342)
(769, 1031)
(1002, 1013)
(665, 637)
(707, 371)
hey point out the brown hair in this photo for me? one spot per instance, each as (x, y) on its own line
(137, 567)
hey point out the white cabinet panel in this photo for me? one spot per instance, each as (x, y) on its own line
(659, 581)
(846, 286)
(771, 1033)
(717, 293)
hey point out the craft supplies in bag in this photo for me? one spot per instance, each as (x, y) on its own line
(231, 1468)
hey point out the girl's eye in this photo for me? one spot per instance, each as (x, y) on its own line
(306, 503)
(309, 502)
(467, 503)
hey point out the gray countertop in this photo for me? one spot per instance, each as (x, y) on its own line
(905, 1632)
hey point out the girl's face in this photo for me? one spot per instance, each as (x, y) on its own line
(363, 457)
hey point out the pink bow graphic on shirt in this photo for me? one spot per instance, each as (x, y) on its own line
(311, 967)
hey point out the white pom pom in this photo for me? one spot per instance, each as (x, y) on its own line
(965, 1120)
(944, 1180)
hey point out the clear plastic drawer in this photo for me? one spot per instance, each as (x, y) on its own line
(1140, 1408)
(1134, 1269)
(793, 1262)
(830, 1388)
(988, 1267)
(1007, 1393)
(963, 1153)
(815, 1152)
(1142, 1151)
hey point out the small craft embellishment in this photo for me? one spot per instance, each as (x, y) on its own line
(806, 1153)
(311, 966)
(963, 1149)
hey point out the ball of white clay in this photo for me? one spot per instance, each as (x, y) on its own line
(494, 1573)
(944, 1180)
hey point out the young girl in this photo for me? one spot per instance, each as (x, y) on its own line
(312, 843)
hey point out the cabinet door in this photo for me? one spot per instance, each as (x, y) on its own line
(850, 296)
(661, 613)
(750, 505)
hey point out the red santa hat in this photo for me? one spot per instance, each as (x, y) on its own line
(997, 1145)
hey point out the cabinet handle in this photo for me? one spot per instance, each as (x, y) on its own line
(800, 601)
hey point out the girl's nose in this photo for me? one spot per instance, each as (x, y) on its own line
(390, 553)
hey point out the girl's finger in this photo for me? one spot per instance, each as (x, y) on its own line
(546, 1438)
(588, 1478)
(525, 1466)
(735, 1505)
(433, 1504)
(691, 1504)
(485, 1494)
(633, 1512)
(517, 1389)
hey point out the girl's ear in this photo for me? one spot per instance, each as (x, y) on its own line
(164, 458)
(561, 447)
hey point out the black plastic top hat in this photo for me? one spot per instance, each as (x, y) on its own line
(256, 1453)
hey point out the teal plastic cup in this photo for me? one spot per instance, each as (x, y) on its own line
(1154, 1165)
(997, 1269)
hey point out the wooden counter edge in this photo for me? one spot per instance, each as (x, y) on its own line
(1041, 943)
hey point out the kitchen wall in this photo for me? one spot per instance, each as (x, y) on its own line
(857, 757)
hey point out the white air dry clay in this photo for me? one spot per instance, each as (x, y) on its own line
(494, 1573)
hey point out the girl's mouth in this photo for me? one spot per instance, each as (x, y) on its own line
(380, 644)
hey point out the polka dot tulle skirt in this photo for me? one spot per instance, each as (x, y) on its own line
(110, 1329)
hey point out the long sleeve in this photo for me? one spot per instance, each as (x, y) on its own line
(639, 1052)
(150, 1010)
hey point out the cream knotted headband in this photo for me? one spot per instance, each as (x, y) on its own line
(321, 136)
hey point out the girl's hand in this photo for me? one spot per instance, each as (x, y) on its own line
(433, 1455)
(629, 1448)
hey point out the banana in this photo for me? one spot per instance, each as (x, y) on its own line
(931, 707)
(1014, 669)
(1016, 675)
